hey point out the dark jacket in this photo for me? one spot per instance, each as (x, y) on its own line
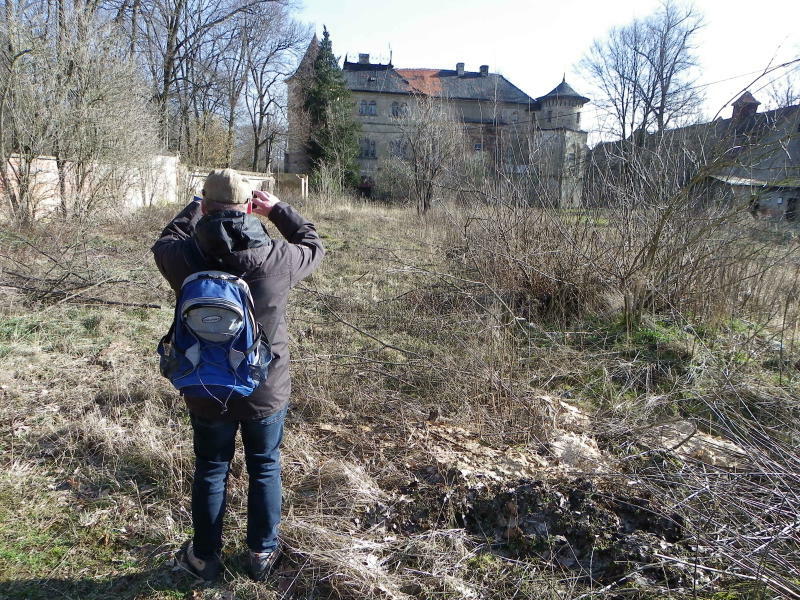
(238, 243)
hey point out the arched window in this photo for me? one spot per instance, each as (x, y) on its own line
(373, 108)
(363, 108)
(395, 109)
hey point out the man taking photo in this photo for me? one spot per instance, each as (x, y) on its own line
(219, 232)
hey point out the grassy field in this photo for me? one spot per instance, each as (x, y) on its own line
(449, 437)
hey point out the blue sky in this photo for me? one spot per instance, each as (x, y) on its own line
(534, 43)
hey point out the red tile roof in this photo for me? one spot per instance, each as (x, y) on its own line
(424, 81)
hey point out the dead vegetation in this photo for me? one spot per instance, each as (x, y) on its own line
(474, 416)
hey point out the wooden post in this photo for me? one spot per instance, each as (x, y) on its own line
(303, 185)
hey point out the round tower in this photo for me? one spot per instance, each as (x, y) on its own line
(561, 108)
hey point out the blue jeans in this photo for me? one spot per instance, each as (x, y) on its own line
(214, 443)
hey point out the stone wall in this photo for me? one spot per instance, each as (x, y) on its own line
(164, 181)
(150, 184)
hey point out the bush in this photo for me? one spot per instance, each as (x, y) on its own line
(565, 265)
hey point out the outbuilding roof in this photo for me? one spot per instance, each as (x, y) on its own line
(745, 98)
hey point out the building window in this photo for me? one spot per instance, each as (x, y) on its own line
(397, 149)
(369, 109)
(367, 148)
(791, 209)
(578, 119)
(549, 116)
(399, 110)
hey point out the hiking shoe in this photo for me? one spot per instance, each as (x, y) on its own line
(260, 564)
(207, 570)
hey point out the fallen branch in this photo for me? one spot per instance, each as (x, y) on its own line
(85, 289)
(90, 300)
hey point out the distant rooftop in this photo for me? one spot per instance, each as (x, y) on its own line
(451, 83)
(564, 90)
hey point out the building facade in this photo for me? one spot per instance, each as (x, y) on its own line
(520, 135)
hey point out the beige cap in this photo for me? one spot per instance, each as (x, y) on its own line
(226, 186)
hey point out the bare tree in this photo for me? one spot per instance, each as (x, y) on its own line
(615, 69)
(269, 61)
(644, 71)
(670, 93)
(26, 131)
(75, 96)
(430, 147)
(202, 99)
(785, 90)
(233, 71)
(169, 33)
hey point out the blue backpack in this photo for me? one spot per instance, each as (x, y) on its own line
(215, 348)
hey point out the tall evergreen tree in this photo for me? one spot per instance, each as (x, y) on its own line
(334, 131)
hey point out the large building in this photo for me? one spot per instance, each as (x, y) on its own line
(537, 138)
(751, 158)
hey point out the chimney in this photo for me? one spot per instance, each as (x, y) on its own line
(363, 59)
(460, 69)
(744, 107)
(484, 70)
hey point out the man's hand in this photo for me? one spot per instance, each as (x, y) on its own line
(263, 202)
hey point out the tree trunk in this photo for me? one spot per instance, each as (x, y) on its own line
(269, 142)
(134, 24)
(256, 153)
(229, 137)
(63, 207)
(168, 68)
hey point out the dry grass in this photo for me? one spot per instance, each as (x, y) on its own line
(417, 341)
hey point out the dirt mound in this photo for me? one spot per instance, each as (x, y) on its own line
(598, 536)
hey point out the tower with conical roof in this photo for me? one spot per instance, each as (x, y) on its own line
(296, 159)
(561, 144)
(561, 108)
